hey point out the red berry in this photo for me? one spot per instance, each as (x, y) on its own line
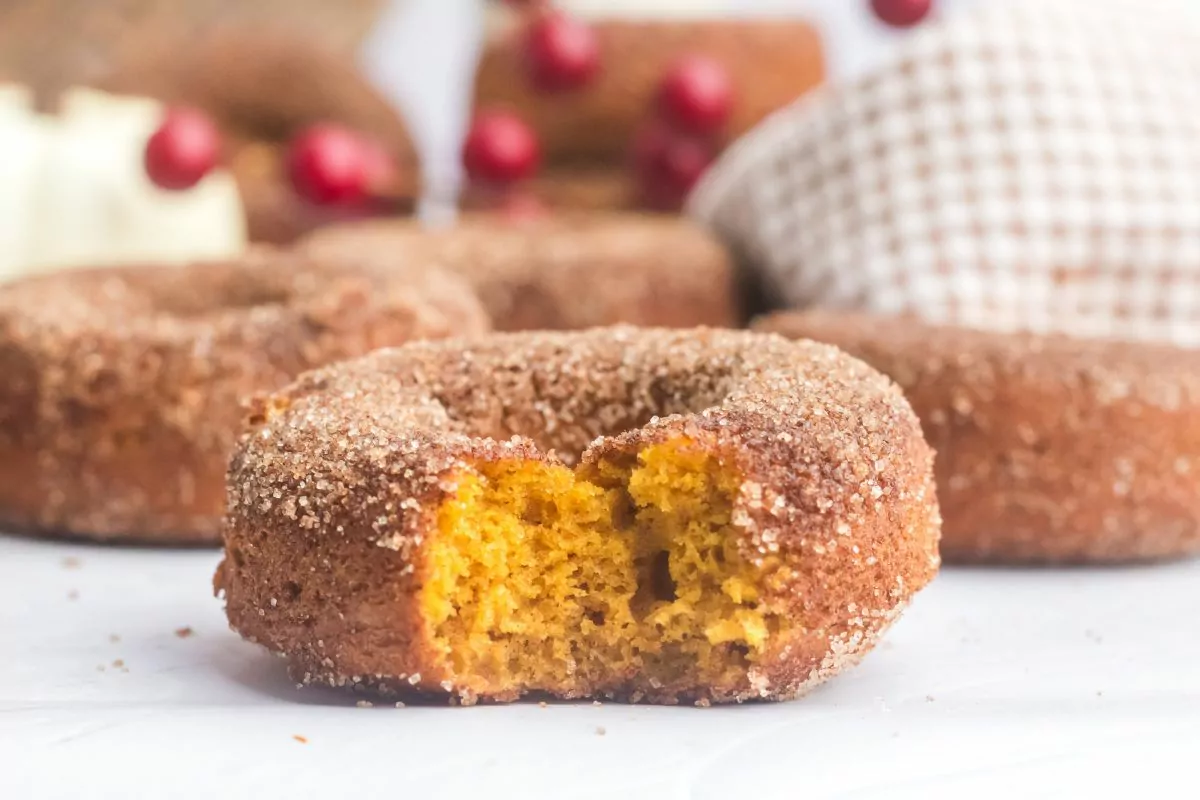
(183, 150)
(561, 53)
(500, 148)
(901, 13)
(696, 94)
(668, 164)
(328, 165)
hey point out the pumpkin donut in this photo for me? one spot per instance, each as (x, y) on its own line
(1050, 449)
(743, 518)
(565, 271)
(120, 399)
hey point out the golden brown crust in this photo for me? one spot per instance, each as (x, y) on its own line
(563, 272)
(771, 61)
(121, 397)
(1050, 449)
(333, 493)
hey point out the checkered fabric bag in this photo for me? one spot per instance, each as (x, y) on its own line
(1032, 165)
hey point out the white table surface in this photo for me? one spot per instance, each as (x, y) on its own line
(995, 683)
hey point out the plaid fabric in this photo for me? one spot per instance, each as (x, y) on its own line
(1032, 165)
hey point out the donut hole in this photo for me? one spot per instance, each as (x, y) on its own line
(544, 578)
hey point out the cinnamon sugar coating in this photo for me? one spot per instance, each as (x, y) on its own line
(334, 491)
(563, 272)
(1049, 448)
(120, 402)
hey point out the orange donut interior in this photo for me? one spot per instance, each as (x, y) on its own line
(544, 578)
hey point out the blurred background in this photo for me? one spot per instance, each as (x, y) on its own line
(403, 74)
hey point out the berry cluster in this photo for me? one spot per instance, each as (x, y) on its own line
(668, 154)
(674, 148)
(328, 165)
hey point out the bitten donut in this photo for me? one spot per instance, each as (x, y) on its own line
(745, 517)
(565, 271)
(1049, 449)
(120, 399)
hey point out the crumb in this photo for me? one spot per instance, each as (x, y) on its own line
(71, 562)
(928, 698)
(600, 730)
(597, 703)
(112, 637)
(184, 632)
(300, 739)
(399, 704)
(365, 704)
(543, 704)
(119, 663)
(1099, 694)
(1093, 635)
(73, 594)
(703, 702)
(99, 668)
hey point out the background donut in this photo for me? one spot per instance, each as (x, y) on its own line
(122, 385)
(562, 272)
(1049, 449)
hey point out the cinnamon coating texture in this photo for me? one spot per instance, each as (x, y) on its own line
(120, 402)
(771, 63)
(562, 272)
(1049, 449)
(743, 519)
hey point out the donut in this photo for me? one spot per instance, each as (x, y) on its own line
(771, 62)
(1050, 449)
(564, 271)
(641, 514)
(120, 399)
